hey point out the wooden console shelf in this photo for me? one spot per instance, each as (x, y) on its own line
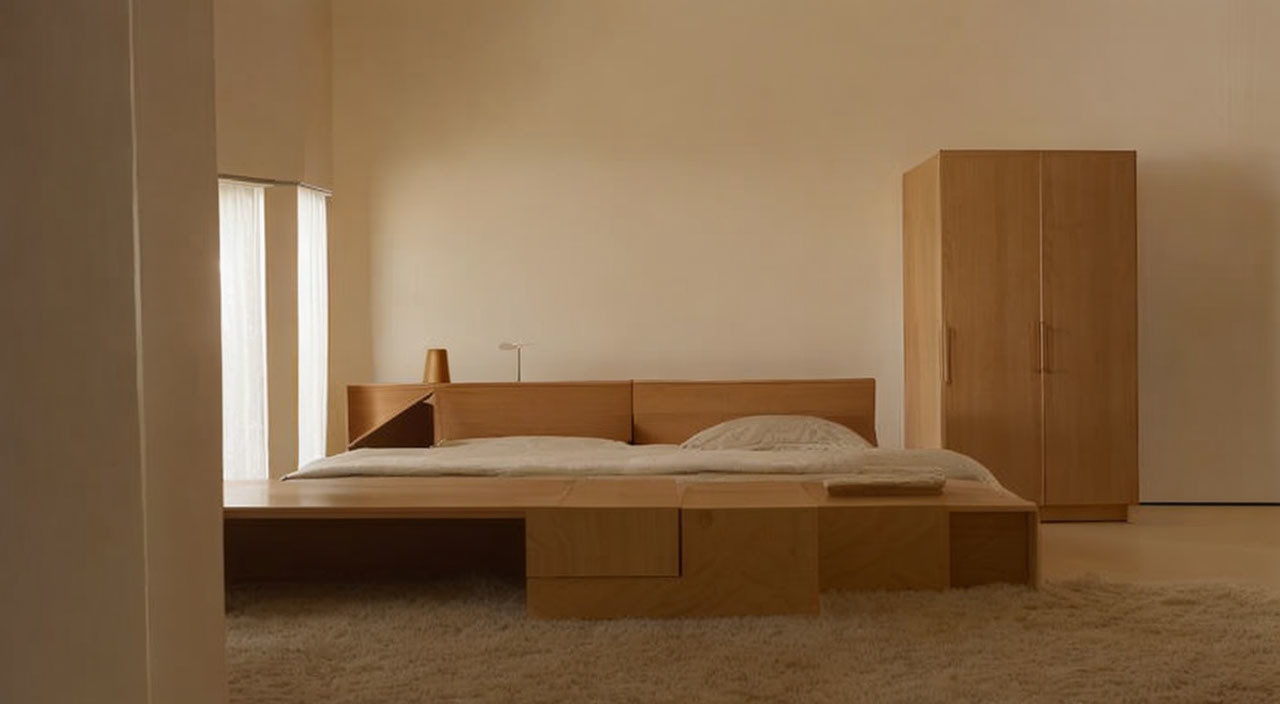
(610, 547)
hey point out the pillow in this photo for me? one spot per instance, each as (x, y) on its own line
(776, 433)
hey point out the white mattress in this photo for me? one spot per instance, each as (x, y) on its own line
(519, 456)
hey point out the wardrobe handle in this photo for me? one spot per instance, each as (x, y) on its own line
(1045, 342)
(1037, 344)
(948, 339)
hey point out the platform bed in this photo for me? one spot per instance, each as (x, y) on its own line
(614, 546)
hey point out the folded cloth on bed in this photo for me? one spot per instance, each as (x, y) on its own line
(888, 481)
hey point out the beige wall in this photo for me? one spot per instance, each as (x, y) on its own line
(273, 89)
(110, 528)
(711, 189)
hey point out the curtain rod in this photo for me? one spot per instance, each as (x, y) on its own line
(273, 182)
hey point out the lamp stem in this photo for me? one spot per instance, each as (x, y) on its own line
(519, 364)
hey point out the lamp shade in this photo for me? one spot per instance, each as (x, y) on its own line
(436, 370)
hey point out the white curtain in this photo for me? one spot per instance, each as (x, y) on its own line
(313, 324)
(244, 350)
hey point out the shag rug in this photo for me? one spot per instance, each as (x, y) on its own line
(1081, 641)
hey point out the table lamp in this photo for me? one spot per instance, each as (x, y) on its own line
(518, 347)
(436, 370)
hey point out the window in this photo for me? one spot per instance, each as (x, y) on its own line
(241, 235)
(313, 323)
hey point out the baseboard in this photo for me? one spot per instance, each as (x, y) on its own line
(1103, 512)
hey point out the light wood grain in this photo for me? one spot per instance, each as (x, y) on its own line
(371, 405)
(622, 491)
(751, 560)
(922, 306)
(672, 411)
(735, 562)
(1038, 289)
(753, 493)
(1090, 306)
(883, 547)
(602, 542)
(391, 497)
(581, 409)
(991, 289)
(607, 526)
(729, 547)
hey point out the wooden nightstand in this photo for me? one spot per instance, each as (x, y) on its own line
(389, 415)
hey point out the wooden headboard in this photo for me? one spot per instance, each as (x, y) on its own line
(593, 409)
(671, 411)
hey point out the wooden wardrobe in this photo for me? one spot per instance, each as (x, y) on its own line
(1021, 321)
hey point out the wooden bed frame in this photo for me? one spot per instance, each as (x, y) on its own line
(606, 547)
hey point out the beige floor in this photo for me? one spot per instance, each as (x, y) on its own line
(1163, 543)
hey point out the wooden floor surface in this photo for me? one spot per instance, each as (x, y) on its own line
(1168, 543)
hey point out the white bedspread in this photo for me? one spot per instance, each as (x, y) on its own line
(516, 457)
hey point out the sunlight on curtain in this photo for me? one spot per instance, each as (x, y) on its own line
(241, 234)
(313, 324)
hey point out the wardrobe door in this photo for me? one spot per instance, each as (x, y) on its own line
(991, 306)
(1090, 307)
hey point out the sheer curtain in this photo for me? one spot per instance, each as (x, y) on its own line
(313, 323)
(242, 242)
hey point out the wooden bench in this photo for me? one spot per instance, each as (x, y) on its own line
(609, 547)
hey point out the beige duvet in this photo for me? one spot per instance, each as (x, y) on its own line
(541, 456)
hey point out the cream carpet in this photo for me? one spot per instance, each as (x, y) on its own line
(1084, 641)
